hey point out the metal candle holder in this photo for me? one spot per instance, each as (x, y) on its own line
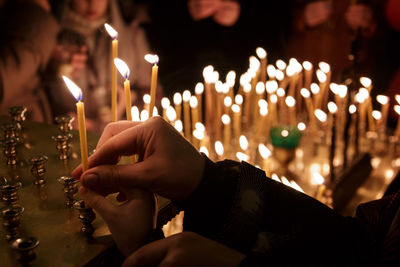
(11, 130)
(86, 216)
(11, 220)
(38, 169)
(25, 247)
(64, 123)
(9, 193)
(70, 189)
(62, 145)
(10, 150)
(17, 114)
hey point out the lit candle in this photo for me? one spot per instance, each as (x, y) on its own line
(236, 120)
(282, 107)
(262, 54)
(178, 126)
(308, 73)
(80, 107)
(247, 103)
(384, 101)
(178, 105)
(124, 70)
(318, 180)
(242, 156)
(146, 101)
(153, 59)
(265, 154)
(219, 149)
(165, 103)
(273, 99)
(327, 71)
(114, 35)
(260, 89)
(186, 112)
(135, 113)
(271, 71)
(243, 143)
(195, 115)
(227, 104)
(306, 94)
(261, 130)
(230, 81)
(291, 102)
(198, 90)
(171, 114)
(322, 85)
(226, 120)
(322, 117)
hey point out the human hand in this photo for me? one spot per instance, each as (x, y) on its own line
(316, 13)
(201, 9)
(168, 164)
(359, 15)
(78, 61)
(184, 249)
(130, 222)
(228, 13)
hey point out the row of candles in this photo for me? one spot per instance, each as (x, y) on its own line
(268, 95)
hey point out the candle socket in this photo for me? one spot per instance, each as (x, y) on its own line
(86, 216)
(11, 130)
(11, 220)
(9, 193)
(70, 189)
(62, 145)
(64, 123)
(10, 151)
(25, 247)
(38, 169)
(17, 114)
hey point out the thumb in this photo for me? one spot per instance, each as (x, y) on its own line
(97, 202)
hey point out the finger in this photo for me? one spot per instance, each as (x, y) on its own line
(77, 172)
(151, 254)
(113, 129)
(97, 202)
(108, 179)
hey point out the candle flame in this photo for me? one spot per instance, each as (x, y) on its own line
(281, 64)
(242, 156)
(324, 67)
(271, 71)
(171, 113)
(111, 31)
(260, 87)
(177, 98)
(317, 178)
(305, 93)
(275, 177)
(342, 91)
(382, 99)
(178, 126)
(332, 107)
(214, 76)
(186, 96)
(352, 109)
(199, 89)
(244, 79)
(290, 101)
(334, 88)
(146, 98)
(321, 116)
(243, 142)
(261, 53)
(290, 70)
(262, 103)
(230, 78)
(254, 63)
(73, 88)
(204, 150)
(155, 111)
(144, 115)
(135, 113)
(235, 108)
(285, 181)
(151, 58)
(397, 97)
(225, 88)
(271, 87)
(377, 115)
(263, 110)
(219, 148)
(279, 75)
(366, 82)
(200, 126)
(239, 99)
(247, 88)
(285, 133)
(218, 87)
(193, 102)
(199, 135)
(207, 71)
(273, 99)
(397, 109)
(321, 76)
(296, 186)
(264, 151)
(122, 67)
(301, 126)
(281, 92)
(315, 88)
(307, 65)
(227, 101)
(165, 103)
(225, 119)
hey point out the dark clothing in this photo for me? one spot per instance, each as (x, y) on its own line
(274, 225)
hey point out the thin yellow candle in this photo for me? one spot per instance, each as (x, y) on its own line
(165, 104)
(384, 101)
(247, 103)
(114, 35)
(199, 89)
(77, 93)
(153, 59)
(178, 105)
(226, 120)
(186, 112)
(194, 108)
(262, 54)
(266, 155)
(308, 73)
(322, 85)
(326, 68)
(291, 102)
(230, 81)
(124, 70)
(236, 120)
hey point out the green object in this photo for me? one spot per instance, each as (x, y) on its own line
(285, 136)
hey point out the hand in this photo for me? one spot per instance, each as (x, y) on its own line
(359, 16)
(316, 13)
(184, 249)
(228, 13)
(78, 61)
(130, 222)
(201, 9)
(168, 164)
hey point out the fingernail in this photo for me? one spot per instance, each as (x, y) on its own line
(89, 179)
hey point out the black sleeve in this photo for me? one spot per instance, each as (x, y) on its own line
(237, 205)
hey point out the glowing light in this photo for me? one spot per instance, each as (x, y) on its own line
(235, 108)
(271, 71)
(199, 126)
(281, 92)
(296, 186)
(397, 97)
(281, 64)
(135, 113)
(227, 101)
(122, 67)
(377, 115)
(366, 82)
(389, 174)
(321, 76)
(165, 103)
(230, 78)
(204, 150)
(73, 88)
(171, 113)
(219, 148)
(186, 96)
(244, 78)
(144, 115)
(155, 111)
(247, 88)
(301, 126)
(317, 178)
(332, 107)
(242, 156)
(264, 151)
(178, 125)
(307, 65)
(261, 53)
(273, 99)
(290, 101)
(239, 99)
(260, 87)
(285, 133)
(193, 102)
(315, 88)
(321, 116)
(305, 93)
(146, 99)
(352, 109)
(285, 181)
(199, 135)
(226, 119)
(279, 75)
(271, 87)
(111, 31)
(397, 109)
(254, 63)
(262, 103)
(382, 99)
(342, 90)
(151, 58)
(243, 142)
(199, 89)
(334, 88)
(177, 98)
(275, 177)
(324, 67)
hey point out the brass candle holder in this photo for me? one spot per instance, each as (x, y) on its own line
(64, 123)
(11, 220)
(11, 130)
(17, 114)
(10, 150)
(38, 169)
(9, 193)
(86, 216)
(62, 145)
(25, 247)
(70, 189)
